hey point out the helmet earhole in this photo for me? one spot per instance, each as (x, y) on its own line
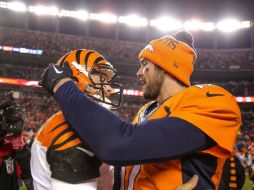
(89, 88)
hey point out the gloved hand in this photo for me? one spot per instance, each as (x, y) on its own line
(52, 75)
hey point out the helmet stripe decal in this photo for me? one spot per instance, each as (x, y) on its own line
(98, 60)
(78, 52)
(63, 60)
(87, 56)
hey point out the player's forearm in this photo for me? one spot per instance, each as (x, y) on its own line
(118, 142)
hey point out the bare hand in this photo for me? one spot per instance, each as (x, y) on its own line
(191, 184)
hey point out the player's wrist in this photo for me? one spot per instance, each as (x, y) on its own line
(60, 83)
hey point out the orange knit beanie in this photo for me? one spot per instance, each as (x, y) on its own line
(173, 56)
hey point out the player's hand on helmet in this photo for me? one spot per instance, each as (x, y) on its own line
(191, 184)
(52, 75)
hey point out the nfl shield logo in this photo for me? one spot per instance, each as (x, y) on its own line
(9, 165)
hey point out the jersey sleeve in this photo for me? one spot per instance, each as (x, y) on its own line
(118, 142)
(214, 111)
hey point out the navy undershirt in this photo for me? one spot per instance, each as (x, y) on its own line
(118, 142)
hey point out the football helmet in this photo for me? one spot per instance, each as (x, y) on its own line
(93, 75)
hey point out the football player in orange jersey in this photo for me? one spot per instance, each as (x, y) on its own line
(184, 130)
(59, 158)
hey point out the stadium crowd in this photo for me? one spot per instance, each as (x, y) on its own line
(55, 45)
(58, 44)
(244, 147)
(37, 107)
(237, 88)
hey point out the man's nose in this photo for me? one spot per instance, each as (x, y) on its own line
(108, 90)
(139, 73)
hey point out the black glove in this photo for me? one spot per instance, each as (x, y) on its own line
(52, 75)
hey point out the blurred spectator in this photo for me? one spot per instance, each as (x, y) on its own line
(14, 163)
(244, 147)
(14, 154)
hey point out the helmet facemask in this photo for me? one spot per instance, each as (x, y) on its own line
(108, 94)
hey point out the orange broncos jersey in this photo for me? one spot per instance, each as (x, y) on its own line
(211, 109)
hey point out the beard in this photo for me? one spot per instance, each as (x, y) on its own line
(153, 88)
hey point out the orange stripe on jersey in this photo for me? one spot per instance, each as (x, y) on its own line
(69, 144)
(51, 128)
(218, 173)
(51, 123)
(55, 133)
(232, 171)
(232, 185)
(47, 140)
(232, 178)
(64, 137)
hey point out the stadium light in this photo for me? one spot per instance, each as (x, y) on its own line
(229, 25)
(248, 99)
(208, 26)
(198, 25)
(133, 20)
(42, 10)
(3, 4)
(193, 25)
(66, 13)
(166, 24)
(104, 17)
(82, 15)
(17, 6)
(245, 24)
